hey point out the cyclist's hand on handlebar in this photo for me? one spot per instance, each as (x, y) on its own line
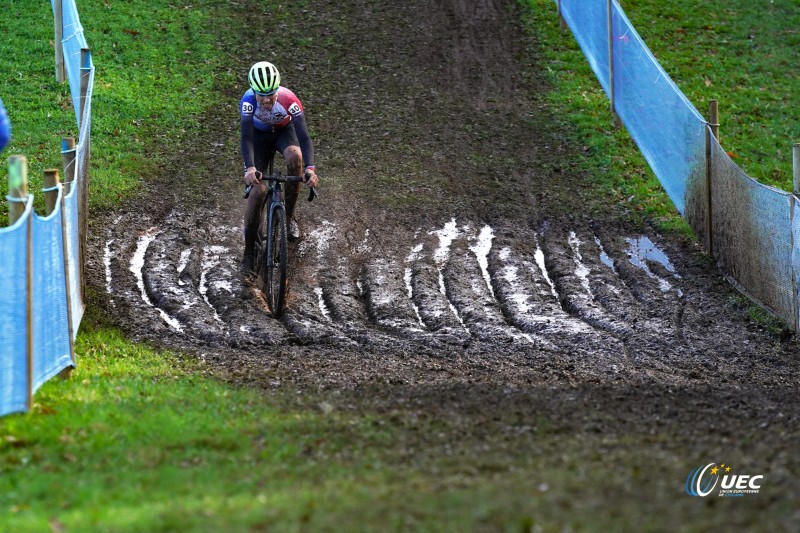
(252, 176)
(310, 178)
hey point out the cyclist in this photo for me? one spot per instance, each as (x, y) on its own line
(272, 119)
(5, 127)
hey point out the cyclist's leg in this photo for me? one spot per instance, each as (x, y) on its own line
(288, 145)
(264, 147)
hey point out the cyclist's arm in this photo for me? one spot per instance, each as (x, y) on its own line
(248, 153)
(306, 144)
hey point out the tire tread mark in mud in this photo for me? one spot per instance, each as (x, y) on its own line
(432, 304)
(525, 299)
(645, 297)
(564, 265)
(384, 293)
(239, 307)
(467, 291)
(182, 302)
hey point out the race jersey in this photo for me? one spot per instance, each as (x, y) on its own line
(286, 110)
(286, 106)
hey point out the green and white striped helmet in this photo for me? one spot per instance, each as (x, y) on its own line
(264, 78)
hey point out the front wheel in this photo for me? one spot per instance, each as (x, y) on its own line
(276, 260)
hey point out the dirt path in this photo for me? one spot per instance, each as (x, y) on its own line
(449, 249)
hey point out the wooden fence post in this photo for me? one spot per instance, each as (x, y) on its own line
(51, 182)
(68, 159)
(61, 73)
(17, 187)
(713, 124)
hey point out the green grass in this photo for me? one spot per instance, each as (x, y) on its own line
(156, 67)
(737, 52)
(143, 440)
(744, 54)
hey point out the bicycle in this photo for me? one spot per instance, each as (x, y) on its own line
(271, 246)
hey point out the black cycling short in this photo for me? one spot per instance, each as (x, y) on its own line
(266, 143)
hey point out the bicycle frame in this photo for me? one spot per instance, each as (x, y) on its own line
(274, 260)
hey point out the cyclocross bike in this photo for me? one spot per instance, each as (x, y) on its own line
(271, 245)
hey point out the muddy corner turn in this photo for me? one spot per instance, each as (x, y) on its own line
(449, 248)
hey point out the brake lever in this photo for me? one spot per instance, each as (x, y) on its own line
(249, 188)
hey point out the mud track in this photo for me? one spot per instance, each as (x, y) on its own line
(448, 248)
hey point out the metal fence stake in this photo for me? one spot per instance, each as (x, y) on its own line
(712, 130)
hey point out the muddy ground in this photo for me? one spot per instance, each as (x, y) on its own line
(451, 267)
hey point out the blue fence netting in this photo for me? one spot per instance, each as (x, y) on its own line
(54, 291)
(754, 229)
(52, 348)
(14, 318)
(666, 127)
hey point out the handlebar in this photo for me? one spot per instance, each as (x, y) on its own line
(284, 179)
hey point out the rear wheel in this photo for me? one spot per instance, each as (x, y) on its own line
(275, 264)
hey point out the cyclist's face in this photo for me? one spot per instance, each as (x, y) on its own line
(266, 101)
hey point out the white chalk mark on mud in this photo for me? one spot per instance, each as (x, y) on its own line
(580, 269)
(413, 256)
(211, 256)
(136, 265)
(481, 250)
(107, 263)
(184, 260)
(446, 237)
(322, 307)
(538, 255)
(520, 300)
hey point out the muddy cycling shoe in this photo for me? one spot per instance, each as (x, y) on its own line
(293, 231)
(248, 264)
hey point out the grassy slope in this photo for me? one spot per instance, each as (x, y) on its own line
(737, 52)
(155, 71)
(142, 440)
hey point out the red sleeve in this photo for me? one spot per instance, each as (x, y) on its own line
(290, 101)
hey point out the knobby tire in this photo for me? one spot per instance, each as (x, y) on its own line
(276, 261)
